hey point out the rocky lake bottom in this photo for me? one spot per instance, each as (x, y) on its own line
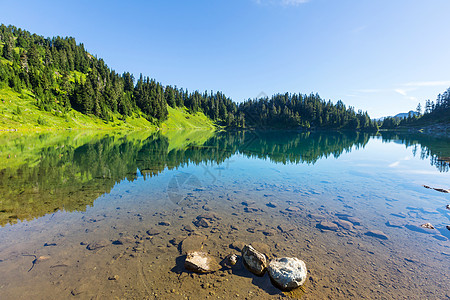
(355, 220)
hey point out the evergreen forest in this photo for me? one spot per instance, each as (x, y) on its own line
(62, 75)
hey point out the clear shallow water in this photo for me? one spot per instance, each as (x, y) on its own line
(61, 193)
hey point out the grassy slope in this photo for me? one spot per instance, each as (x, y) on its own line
(180, 118)
(18, 111)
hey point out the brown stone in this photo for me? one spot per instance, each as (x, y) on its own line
(202, 223)
(189, 228)
(269, 232)
(251, 209)
(97, 245)
(377, 233)
(397, 224)
(354, 220)
(153, 232)
(238, 245)
(293, 209)
(208, 216)
(345, 224)
(328, 226)
(317, 217)
(285, 228)
(193, 243)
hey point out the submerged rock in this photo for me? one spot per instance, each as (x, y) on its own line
(208, 216)
(287, 273)
(253, 260)
(97, 245)
(327, 226)
(193, 243)
(238, 245)
(189, 228)
(293, 209)
(123, 241)
(200, 262)
(345, 224)
(377, 233)
(354, 220)
(251, 208)
(397, 224)
(285, 228)
(316, 217)
(269, 232)
(399, 215)
(152, 232)
(429, 211)
(202, 223)
(271, 205)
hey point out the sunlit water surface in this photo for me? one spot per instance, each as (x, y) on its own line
(135, 197)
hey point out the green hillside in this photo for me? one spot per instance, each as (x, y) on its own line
(19, 111)
(55, 83)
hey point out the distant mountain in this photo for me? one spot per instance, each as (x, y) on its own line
(405, 115)
(400, 115)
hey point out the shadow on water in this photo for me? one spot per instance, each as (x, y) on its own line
(45, 173)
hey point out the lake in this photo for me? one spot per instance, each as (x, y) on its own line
(106, 215)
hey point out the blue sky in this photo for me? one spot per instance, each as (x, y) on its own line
(376, 55)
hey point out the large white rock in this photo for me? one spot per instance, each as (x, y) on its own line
(287, 273)
(254, 260)
(200, 262)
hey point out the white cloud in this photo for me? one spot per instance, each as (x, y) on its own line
(404, 92)
(413, 86)
(428, 83)
(401, 91)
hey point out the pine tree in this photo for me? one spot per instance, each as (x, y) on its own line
(7, 52)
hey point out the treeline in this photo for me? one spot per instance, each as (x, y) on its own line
(432, 112)
(297, 110)
(62, 75)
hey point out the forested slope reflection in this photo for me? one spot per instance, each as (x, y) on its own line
(436, 149)
(44, 173)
